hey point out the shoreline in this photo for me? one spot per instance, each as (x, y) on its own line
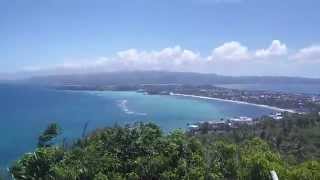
(216, 99)
(234, 101)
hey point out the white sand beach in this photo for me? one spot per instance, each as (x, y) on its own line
(233, 101)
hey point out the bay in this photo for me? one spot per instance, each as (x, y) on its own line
(25, 112)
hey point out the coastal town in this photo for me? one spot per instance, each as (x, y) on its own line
(295, 102)
(280, 101)
(225, 125)
(222, 126)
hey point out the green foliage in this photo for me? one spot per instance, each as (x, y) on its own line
(257, 160)
(222, 160)
(296, 137)
(37, 165)
(309, 170)
(143, 151)
(52, 131)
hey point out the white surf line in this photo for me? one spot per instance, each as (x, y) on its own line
(237, 102)
(123, 104)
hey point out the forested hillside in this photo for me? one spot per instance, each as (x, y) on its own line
(296, 137)
(143, 151)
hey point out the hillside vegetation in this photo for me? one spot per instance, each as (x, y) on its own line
(143, 151)
(296, 137)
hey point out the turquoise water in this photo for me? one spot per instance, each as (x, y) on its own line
(26, 111)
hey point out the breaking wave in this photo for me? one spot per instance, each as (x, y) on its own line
(123, 104)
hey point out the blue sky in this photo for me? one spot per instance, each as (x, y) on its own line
(218, 36)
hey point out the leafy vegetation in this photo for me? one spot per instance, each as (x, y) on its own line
(52, 131)
(296, 137)
(143, 151)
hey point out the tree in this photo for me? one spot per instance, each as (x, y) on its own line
(309, 170)
(51, 132)
(223, 160)
(257, 160)
(143, 151)
(37, 165)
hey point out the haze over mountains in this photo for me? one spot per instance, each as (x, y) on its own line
(161, 77)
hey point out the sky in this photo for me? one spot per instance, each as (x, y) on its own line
(229, 37)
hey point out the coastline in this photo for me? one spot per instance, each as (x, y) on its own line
(217, 99)
(234, 101)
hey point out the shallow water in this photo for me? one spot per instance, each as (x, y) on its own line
(26, 111)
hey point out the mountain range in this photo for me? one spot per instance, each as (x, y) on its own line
(161, 77)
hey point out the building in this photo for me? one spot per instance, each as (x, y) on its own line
(276, 116)
(241, 120)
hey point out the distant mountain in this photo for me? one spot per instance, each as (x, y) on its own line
(160, 77)
(3, 77)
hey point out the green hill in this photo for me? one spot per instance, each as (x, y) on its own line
(143, 151)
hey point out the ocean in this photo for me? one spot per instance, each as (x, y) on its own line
(25, 112)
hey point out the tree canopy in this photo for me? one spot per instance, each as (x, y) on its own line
(143, 151)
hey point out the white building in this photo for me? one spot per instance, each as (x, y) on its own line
(276, 116)
(241, 119)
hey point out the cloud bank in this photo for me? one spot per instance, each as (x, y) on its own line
(230, 58)
(309, 54)
(275, 49)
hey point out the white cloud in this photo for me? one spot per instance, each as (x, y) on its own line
(130, 54)
(229, 58)
(167, 58)
(275, 49)
(311, 54)
(170, 59)
(233, 51)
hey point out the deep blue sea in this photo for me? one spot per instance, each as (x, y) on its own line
(25, 112)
